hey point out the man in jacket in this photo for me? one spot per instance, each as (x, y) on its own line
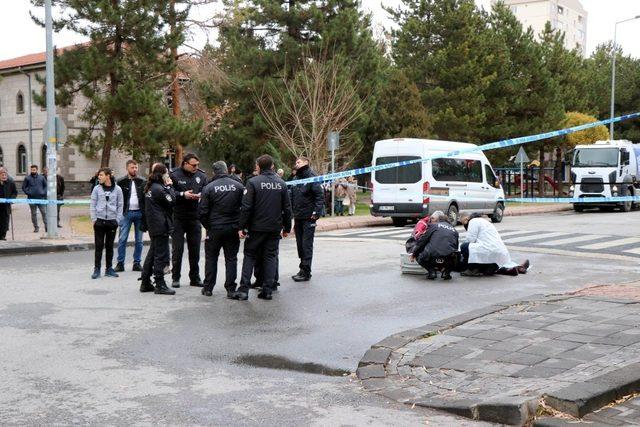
(133, 191)
(265, 217)
(35, 187)
(440, 241)
(8, 190)
(188, 182)
(307, 201)
(59, 190)
(219, 213)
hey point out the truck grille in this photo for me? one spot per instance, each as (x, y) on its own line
(592, 185)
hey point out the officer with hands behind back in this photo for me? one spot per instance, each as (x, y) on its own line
(188, 182)
(265, 217)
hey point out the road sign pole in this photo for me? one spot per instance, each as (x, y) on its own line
(52, 164)
(333, 186)
(521, 180)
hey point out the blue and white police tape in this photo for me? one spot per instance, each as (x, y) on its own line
(594, 200)
(491, 146)
(45, 202)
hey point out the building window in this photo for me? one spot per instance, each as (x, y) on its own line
(560, 10)
(170, 158)
(1, 158)
(20, 103)
(579, 19)
(514, 9)
(22, 160)
(43, 157)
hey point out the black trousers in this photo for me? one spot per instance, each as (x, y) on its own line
(305, 230)
(5, 216)
(258, 271)
(482, 268)
(265, 246)
(104, 234)
(193, 231)
(229, 242)
(157, 257)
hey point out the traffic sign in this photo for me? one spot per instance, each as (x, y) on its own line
(333, 141)
(522, 157)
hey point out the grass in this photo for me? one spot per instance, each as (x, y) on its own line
(81, 225)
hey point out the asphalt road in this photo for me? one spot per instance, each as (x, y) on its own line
(80, 351)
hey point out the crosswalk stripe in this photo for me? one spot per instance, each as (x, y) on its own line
(538, 236)
(635, 251)
(612, 243)
(576, 239)
(513, 233)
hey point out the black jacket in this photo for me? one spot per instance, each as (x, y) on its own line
(35, 187)
(265, 205)
(8, 190)
(184, 181)
(125, 184)
(440, 239)
(220, 203)
(307, 199)
(158, 209)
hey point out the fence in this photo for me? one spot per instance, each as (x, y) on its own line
(555, 178)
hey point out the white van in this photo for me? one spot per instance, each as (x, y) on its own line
(467, 182)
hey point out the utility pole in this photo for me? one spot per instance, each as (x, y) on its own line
(613, 72)
(175, 84)
(52, 162)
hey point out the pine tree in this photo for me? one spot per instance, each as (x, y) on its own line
(123, 72)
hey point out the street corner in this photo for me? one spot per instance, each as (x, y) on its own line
(546, 359)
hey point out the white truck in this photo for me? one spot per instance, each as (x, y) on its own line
(605, 169)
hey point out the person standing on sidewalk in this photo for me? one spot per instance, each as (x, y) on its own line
(352, 189)
(219, 213)
(265, 217)
(159, 201)
(133, 191)
(8, 190)
(106, 207)
(35, 187)
(188, 182)
(307, 202)
(59, 190)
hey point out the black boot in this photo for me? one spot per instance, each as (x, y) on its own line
(231, 289)
(446, 275)
(301, 277)
(146, 285)
(266, 295)
(161, 287)
(206, 291)
(431, 275)
(119, 267)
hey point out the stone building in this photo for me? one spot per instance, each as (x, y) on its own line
(22, 121)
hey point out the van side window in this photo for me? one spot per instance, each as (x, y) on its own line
(491, 177)
(402, 175)
(456, 170)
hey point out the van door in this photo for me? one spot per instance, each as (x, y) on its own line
(451, 174)
(493, 187)
(400, 185)
(476, 188)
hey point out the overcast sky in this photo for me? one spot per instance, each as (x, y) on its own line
(20, 36)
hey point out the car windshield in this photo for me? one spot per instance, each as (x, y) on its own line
(598, 157)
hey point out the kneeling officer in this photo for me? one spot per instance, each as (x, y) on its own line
(439, 241)
(265, 216)
(219, 213)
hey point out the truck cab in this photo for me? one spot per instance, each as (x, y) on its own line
(605, 169)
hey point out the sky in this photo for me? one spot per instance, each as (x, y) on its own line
(20, 36)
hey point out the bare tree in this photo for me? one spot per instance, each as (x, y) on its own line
(301, 111)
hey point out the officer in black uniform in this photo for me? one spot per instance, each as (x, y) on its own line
(265, 217)
(308, 202)
(158, 221)
(188, 182)
(219, 212)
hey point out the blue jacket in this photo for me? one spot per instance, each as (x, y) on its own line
(35, 187)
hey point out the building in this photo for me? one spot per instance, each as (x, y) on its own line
(566, 15)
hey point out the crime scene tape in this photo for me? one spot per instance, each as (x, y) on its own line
(491, 146)
(616, 199)
(45, 202)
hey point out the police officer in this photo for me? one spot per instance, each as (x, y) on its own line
(265, 217)
(159, 201)
(188, 182)
(219, 212)
(308, 202)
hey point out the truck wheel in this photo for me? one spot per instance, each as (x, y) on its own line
(452, 213)
(498, 213)
(399, 222)
(578, 208)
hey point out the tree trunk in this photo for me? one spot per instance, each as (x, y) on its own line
(110, 125)
(541, 173)
(175, 85)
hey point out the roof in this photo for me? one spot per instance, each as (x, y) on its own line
(31, 59)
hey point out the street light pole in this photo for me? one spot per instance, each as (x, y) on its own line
(613, 72)
(52, 163)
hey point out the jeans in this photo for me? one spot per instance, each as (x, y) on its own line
(135, 218)
(105, 234)
(339, 207)
(34, 215)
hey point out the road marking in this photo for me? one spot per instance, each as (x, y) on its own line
(635, 251)
(538, 236)
(573, 254)
(572, 240)
(612, 243)
(513, 233)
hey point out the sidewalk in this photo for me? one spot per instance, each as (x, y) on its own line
(26, 241)
(546, 360)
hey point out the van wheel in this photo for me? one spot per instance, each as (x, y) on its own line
(452, 213)
(399, 222)
(498, 213)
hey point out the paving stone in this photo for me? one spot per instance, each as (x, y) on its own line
(429, 361)
(495, 335)
(510, 345)
(623, 321)
(498, 368)
(561, 363)
(452, 351)
(462, 365)
(370, 371)
(620, 339)
(578, 338)
(487, 355)
(535, 325)
(475, 343)
(508, 409)
(399, 394)
(579, 399)
(538, 371)
(585, 356)
(599, 348)
(374, 384)
(462, 332)
(376, 355)
(598, 420)
(462, 407)
(551, 348)
(601, 330)
(522, 358)
(553, 422)
(392, 342)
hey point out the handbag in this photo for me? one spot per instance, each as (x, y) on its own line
(346, 201)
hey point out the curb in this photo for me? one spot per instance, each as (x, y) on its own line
(576, 400)
(27, 249)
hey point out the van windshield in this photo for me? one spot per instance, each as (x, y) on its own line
(402, 175)
(595, 157)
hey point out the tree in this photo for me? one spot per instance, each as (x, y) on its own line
(126, 63)
(587, 136)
